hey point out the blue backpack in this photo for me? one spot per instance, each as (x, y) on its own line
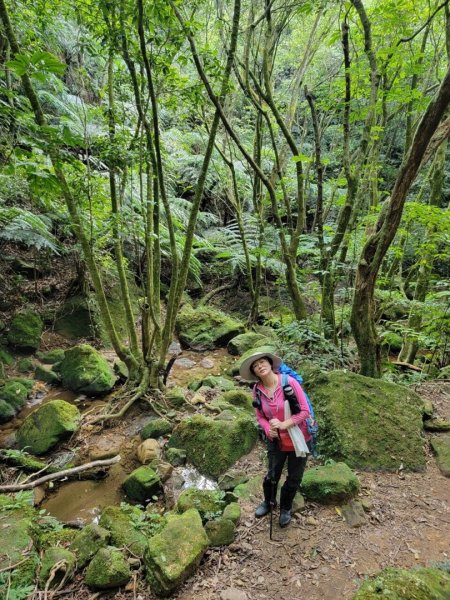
(311, 423)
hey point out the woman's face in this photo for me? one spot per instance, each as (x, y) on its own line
(261, 367)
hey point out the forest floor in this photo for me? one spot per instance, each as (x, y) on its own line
(319, 556)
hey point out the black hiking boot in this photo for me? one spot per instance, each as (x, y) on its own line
(263, 509)
(286, 499)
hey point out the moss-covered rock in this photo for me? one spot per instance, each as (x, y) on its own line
(176, 396)
(212, 381)
(176, 456)
(5, 357)
(51, 357)
(142, 484)
(209, 503)
(246, 341)
(368, 423)
(220, 532)
(232, 479)
(214, 446)
(330, 483)
(441, 447)
(25, 331)
(85, 370)
(25, 365)
(206, 328)
(126, 525)
(88, 542)
(76, 319)
(232, 512)
(58, 564)
(239, 398)
(391, 341)
(175, 553)
(25, 461)
(402, 584)
(16, 538)
(155, 428)
(46, 374)
(47, 425)
(15, 393)
(7, 412)
(436, 425)
(108, 569)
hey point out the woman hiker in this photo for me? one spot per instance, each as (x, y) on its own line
(270, 412)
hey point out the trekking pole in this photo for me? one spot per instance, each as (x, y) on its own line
(271, 504)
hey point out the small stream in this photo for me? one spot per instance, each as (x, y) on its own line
(83, 501)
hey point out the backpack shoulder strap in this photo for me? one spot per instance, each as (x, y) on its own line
(284, 379)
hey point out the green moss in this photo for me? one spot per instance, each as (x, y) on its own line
(232, 512)
(47, 425)
(25, 365)
(206, 328)
(52, 356)
(209, 503)
(108, 569)
(88, 542)
(60, 536)
(7, 412)
(214, 446)
(174, 554)
(238, 398)
(436, 425)
(19, 458)
(246, 341)
(176, 456)
(47, 375)
(142, 484)
(14, 393)
(330, 483)
(401, 584)
(16, 538)
(85, 370)
(176, 396)
(220, 532)
(221, 383)
(25, 331)
(5, 357)
(155, 428)
(66, 561)
(441, 447)
(368, 423)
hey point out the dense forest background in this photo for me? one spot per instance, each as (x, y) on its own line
(287, 159)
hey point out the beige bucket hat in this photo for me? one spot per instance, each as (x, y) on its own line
(244, 369)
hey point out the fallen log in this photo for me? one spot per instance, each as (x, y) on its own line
(66, 473)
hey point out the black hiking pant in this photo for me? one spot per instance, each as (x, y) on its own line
(295, 466)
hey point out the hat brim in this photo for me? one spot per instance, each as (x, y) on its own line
(244, 369)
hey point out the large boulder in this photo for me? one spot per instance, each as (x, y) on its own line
(403, 584)
(206, 328)
(47, 425)
(174, 554)
(108, 569)
(330, 483)
(25, 331)
(368, 423)
(214, 445)
(246, 341)
(84, 370)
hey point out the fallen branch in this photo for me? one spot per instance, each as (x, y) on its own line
(29, 486)
(405, 365)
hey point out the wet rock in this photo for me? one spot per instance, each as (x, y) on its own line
(47, 425)
(232, 512)
(25, 331)
(142, 484)
(205, 328)
(231, 479)
(88, 542)
(214, 446)
(58, 565)
(176, 552)
(148, 451)
(209, 503)
(354, 514)
(441, 447)
(164, 469)
(176, 456)
(108, 569)
(330, 483)
(85, 370)
(156, 428)
(46, 374)
(246, 341)
(220, 532)
(422, 583)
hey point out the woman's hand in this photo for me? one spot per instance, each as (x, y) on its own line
(281, 425)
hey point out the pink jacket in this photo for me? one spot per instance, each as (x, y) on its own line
(274, 409)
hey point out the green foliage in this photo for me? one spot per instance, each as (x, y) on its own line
(24, 227)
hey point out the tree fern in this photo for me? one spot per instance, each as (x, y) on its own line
(22, 226)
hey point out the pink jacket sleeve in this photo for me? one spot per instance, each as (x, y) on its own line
(304, 408)
(260, 417)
